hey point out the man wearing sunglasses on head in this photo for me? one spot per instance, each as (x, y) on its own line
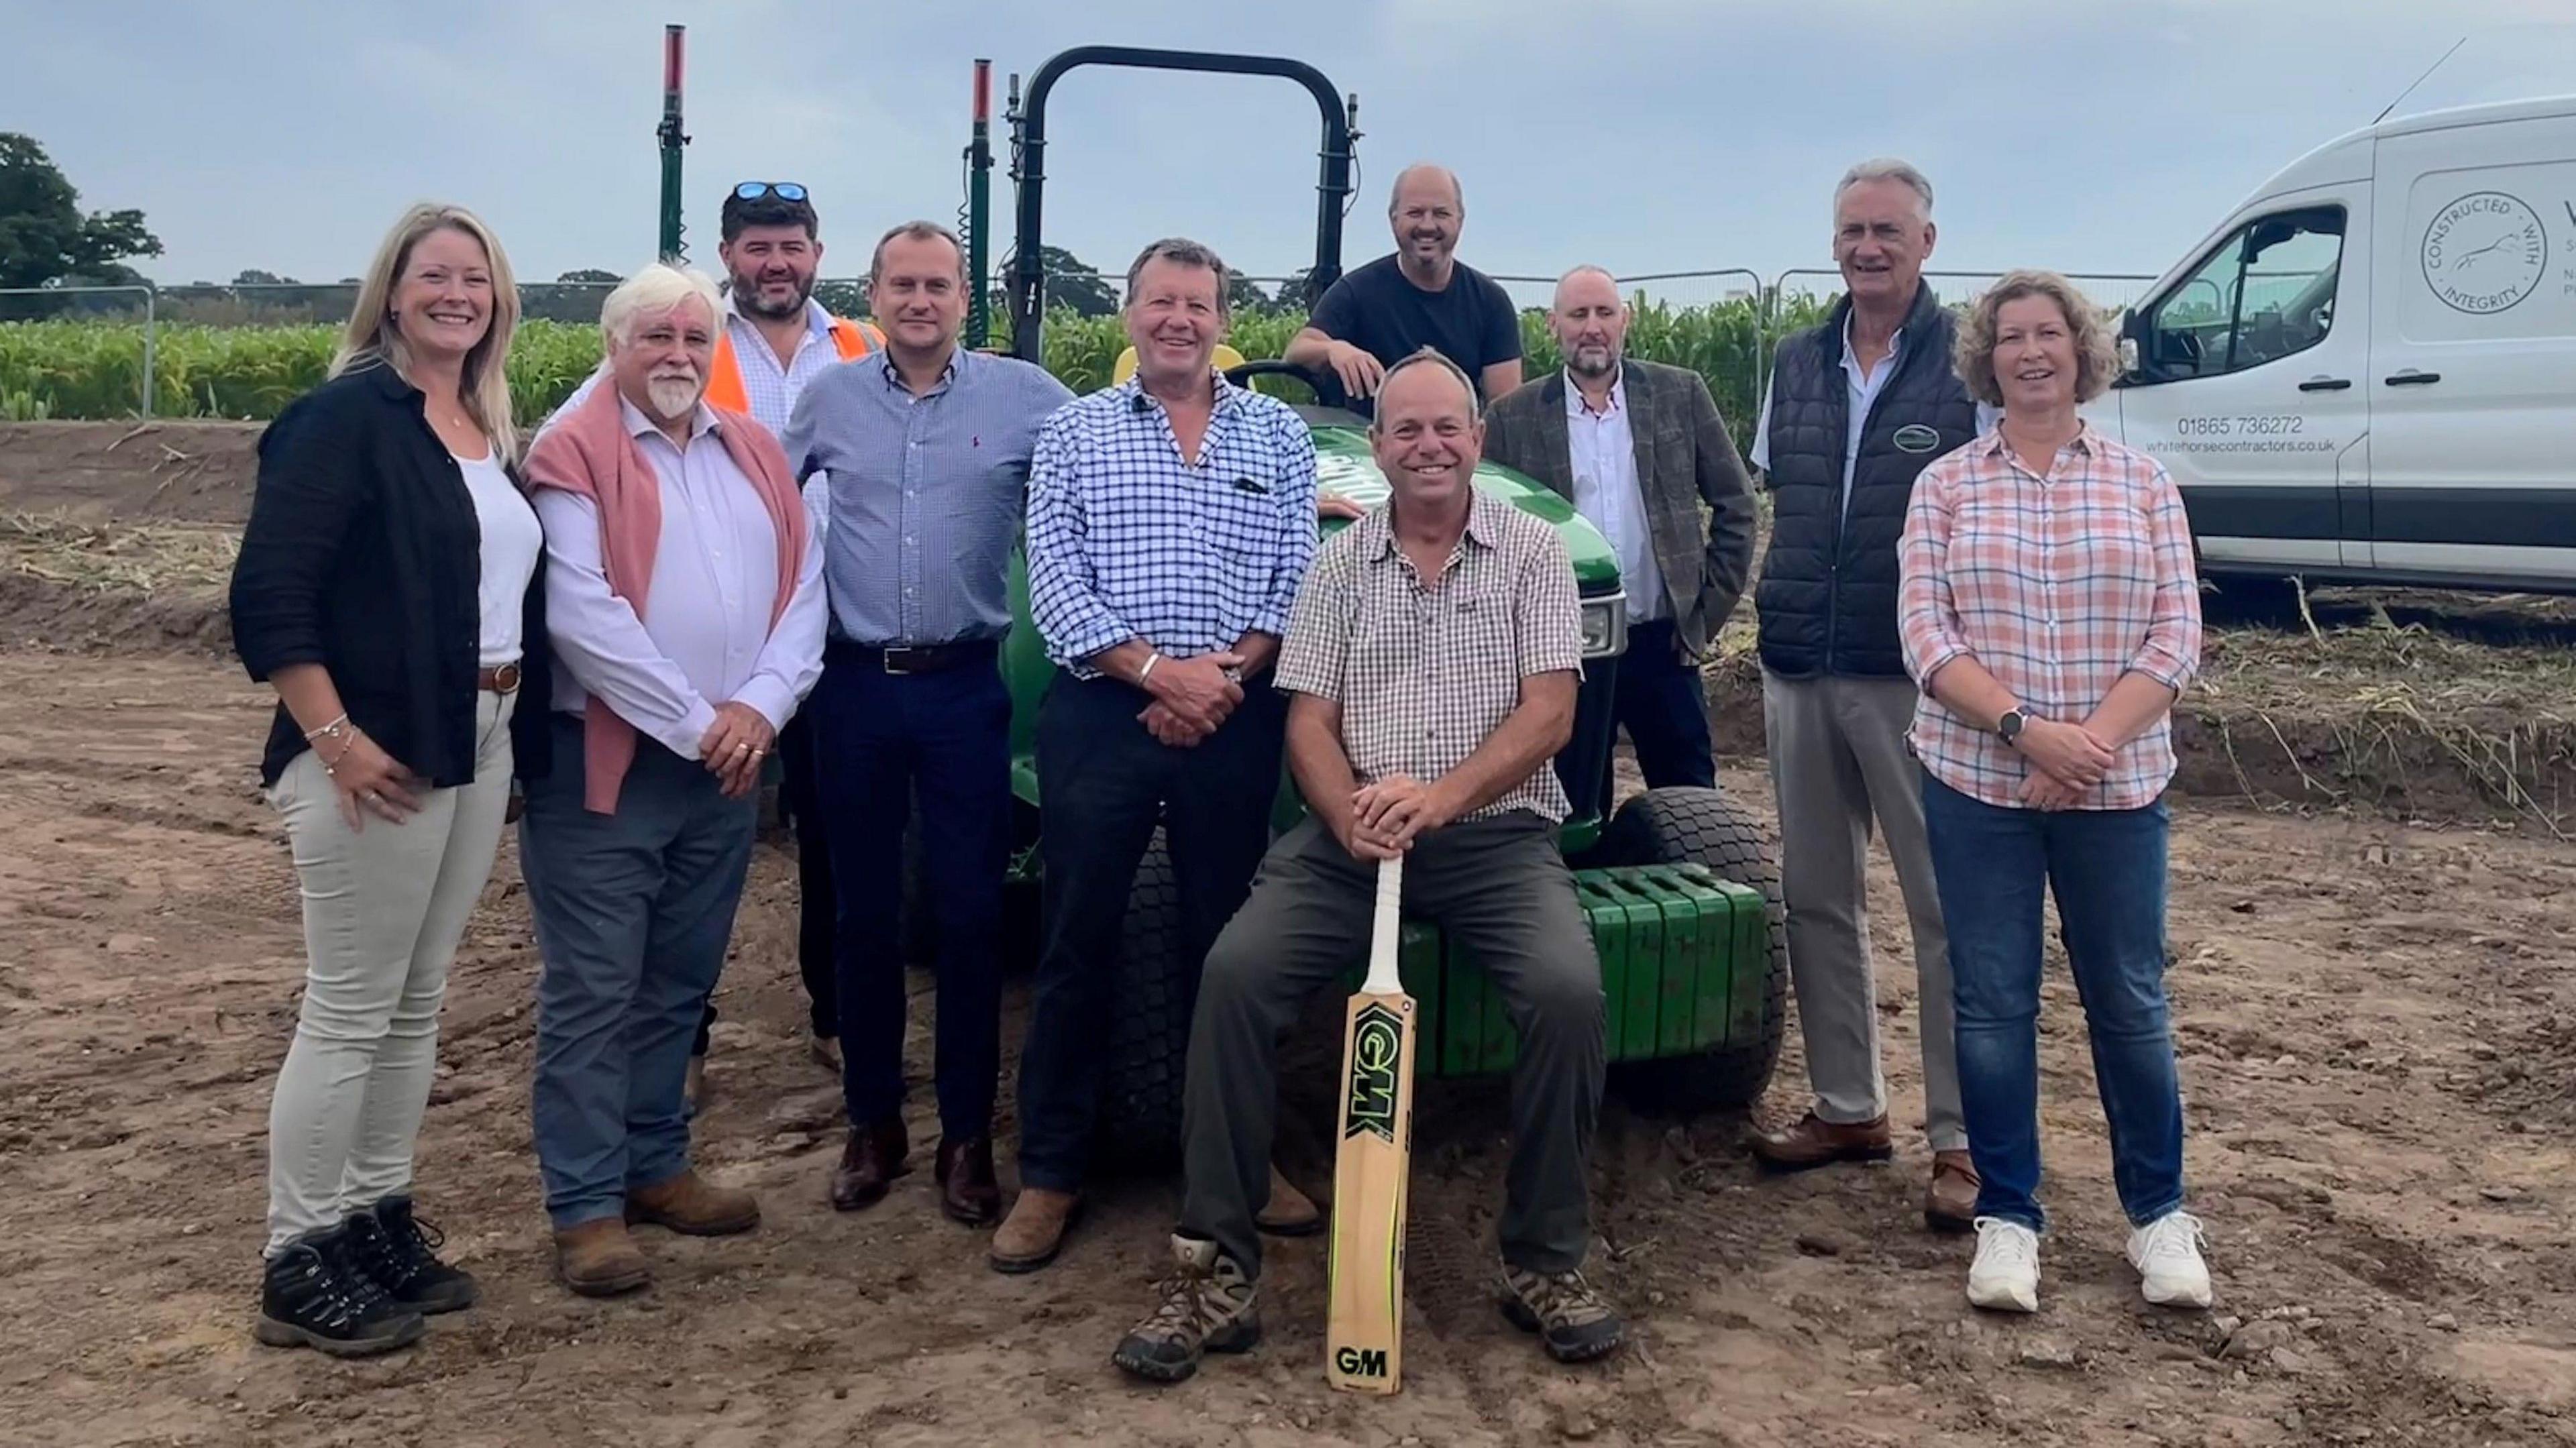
(774, 341)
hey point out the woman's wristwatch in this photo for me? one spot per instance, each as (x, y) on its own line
(2011, 724)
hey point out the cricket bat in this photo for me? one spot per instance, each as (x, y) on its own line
(1364, 1335)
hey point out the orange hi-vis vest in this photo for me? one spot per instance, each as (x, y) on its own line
(851, 339)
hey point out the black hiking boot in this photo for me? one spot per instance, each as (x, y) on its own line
(399, 1251)
(317, 1296)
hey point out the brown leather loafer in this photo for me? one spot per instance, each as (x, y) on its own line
(693, 1206)
(1815, 1142)
(598, 1259)
(870, 1161)
(1033, 1234)
(1950, 1201)
(1289, 1212)
(967, 1191)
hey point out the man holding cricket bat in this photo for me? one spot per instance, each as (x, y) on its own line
(1431, 663)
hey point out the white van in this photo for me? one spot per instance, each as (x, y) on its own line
(2368, 372)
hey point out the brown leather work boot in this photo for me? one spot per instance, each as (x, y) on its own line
(598, 1259)
(1816, 1142)
(967, 1191)
(870, 1161)
(1289, 1212)
(1030, 1237)
(693, 1206)
(1950, 1201)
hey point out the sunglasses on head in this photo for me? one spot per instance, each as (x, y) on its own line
(783, 190)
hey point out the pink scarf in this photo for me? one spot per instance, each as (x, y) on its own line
(589, 453)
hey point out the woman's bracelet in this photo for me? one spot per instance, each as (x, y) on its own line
(331, 764)
(332, 729)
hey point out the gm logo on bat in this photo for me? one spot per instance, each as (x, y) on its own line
(1377, 1050)
(1360, 1362)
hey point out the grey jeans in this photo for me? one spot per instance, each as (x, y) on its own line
(633, 912)
(384, 907)
(1496, 887)
(1838, 761)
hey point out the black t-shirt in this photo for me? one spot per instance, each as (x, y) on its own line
(1472, 321)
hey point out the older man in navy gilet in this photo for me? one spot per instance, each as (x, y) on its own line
(1856, 408)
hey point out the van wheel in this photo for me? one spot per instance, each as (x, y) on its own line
(1690, 825)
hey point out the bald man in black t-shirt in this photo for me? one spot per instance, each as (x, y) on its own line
(1421, 296)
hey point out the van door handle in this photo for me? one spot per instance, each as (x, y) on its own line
(2412, 378)
(2325, 384)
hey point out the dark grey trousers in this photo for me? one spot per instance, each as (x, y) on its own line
(1499, 888)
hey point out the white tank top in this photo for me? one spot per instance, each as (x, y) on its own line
(511, 538)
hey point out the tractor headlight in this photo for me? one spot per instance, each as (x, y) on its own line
(1605, 626)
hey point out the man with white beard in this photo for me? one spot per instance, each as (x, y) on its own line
(685, 600)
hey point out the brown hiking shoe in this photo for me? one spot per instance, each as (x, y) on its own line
(1208, 1306)
(692, 1205)
(1289, 1212)
(1574, 1323)
(1033, 1233)
(1814, 1141)
(598, 1259)
(1950, 1202)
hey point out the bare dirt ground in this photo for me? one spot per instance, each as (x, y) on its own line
(2378, 1037)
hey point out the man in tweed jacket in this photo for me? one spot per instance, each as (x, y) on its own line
(1638, 447)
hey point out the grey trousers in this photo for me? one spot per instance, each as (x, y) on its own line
(633, 913)
(1838, 759)
(1496, 886)
(384, 907)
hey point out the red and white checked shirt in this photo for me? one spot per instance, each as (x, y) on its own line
(2058, 585)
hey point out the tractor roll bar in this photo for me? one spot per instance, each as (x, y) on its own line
(1028, 130)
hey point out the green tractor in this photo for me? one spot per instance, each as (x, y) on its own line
(1679, 884)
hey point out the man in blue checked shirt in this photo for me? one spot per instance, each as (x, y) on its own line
(919, 459)
(1171, 519)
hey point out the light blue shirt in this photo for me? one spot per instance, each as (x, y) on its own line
(921, 496)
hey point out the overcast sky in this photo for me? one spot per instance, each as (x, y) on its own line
(2089, 135)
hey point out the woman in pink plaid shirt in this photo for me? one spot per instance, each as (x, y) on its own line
(2051, 615)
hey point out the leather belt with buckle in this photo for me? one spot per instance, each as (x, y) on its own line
(501, 680)
(914, 659)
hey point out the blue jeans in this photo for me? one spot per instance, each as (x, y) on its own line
(878, 738)
(2107, 871)
(633, 912)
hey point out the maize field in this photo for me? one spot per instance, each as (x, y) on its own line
(93, 369)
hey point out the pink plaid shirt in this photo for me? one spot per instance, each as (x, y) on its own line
(2058, 585)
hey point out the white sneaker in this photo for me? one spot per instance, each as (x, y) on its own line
(2005, 1275)
(2166, 1253)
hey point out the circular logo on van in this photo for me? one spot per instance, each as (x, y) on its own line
(2484, 252)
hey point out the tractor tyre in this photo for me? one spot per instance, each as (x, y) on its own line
(1155, 987)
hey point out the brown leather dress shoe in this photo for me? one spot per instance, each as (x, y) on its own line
(693, 1206)
(598, 1259)
(1950, 1201)
(872, 1159)
(1289, 1212)
(1030, 1237)
(967, 1191)
(1815, 1142)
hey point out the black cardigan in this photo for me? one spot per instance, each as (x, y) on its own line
(363, 555)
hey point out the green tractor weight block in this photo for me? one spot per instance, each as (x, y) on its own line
(1682, 963)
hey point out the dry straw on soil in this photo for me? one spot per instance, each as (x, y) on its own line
(2379, 693)
(144, 558)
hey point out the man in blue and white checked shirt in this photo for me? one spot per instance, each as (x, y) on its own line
(1171, 520)
(920, 459)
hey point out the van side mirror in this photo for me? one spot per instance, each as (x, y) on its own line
(2129, 356)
